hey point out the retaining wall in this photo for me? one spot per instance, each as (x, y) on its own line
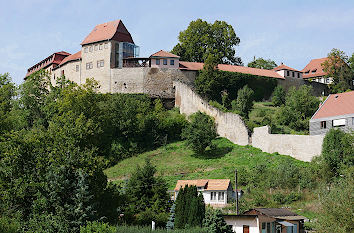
(228, 125)
(301, 147)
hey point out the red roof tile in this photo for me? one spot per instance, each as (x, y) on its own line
(336, 105)
(284, 67)
(162, 53)
(207, 184)
(231, 68)
(73, 57)
(56, 58)
(114, 30)
(314, 68)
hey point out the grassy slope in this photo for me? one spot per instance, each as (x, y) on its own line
(175, 161)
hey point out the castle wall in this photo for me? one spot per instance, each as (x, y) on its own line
(318, 89)
(228, 125)
(69, 72)
(302, 147)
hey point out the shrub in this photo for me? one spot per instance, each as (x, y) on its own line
(214, 222)
(200, 132)
(97, 227)
(279, 94)
(244, 103)
(338, 150)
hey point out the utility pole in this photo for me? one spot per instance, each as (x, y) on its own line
(237, 209)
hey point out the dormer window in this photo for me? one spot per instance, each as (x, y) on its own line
(308, 71)
(314, 71)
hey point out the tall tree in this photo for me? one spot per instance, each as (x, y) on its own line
(244, 102)
(7, 92)
(261, 63)
(214, 222)
(337, 68)
(190, 208)
(202, 38)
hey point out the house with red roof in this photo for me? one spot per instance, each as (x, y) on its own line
(216, 192)
(314, 71)
(337, 111)
(287, 72)
(163, 59)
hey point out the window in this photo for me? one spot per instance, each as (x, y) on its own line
(323, 124)
(77, 68)
(89, 65)
(96, 47)
(213, 196)
(164, 62)
(62, 73)
(101, 46)
(157, 61)
(352, 120)
(293, 74)
(172, 62)
(314, 71)
(339, 122)
(90, 49)
(221, 196)
(106, 45)
(268, 227)
(85, 49)
(264, 230)
(287, 73)
(100, 63)
(298, 75)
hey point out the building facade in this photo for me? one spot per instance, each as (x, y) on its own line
(337, 111)
(314, 71)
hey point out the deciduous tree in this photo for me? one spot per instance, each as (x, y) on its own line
(261, 63)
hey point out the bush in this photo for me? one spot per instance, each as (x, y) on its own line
(214, 222)
(244, 103)
(200, 132)
(279, 95)
(299, 107)
(97, 227)
(338, 150)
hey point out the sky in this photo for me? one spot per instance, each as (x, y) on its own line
(288, 31)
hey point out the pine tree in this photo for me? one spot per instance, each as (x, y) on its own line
(171, 220)
(215, 223)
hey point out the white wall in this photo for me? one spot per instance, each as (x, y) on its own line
(237, 224)
(207, 198)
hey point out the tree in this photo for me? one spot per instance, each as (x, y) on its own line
(171, 220)
(338, 151)
(202, 38)
(7, 92)
(279, 95)
(261, 63)
(200, 132)
(299, 107)
(244, 102)
(214, 222)
(148, 198)
(336, 206)
(190, 208)
(337, 68)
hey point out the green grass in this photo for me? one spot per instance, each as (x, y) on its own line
(175, 161)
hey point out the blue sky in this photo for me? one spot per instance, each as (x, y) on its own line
(292, 32)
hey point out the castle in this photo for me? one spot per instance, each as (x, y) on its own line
(109, 55)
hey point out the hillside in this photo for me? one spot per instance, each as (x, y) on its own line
(175, 161)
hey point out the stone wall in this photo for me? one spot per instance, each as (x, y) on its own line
(301, 147)
(228, 125)
(318, 89)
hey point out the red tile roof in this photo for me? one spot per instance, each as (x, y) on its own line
(114, 30)
(231, 68)
(72, 57)
(162, 53)
(54, 59)
(207, 184)
(336, 105)
(284, 67)
(314, 68)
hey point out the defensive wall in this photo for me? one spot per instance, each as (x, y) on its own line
(228, 125)
(318, 89)
(232, 127)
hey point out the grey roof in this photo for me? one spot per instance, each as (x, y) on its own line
(275, 212)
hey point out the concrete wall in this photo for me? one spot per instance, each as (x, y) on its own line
(301, 147)
(228, 125)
